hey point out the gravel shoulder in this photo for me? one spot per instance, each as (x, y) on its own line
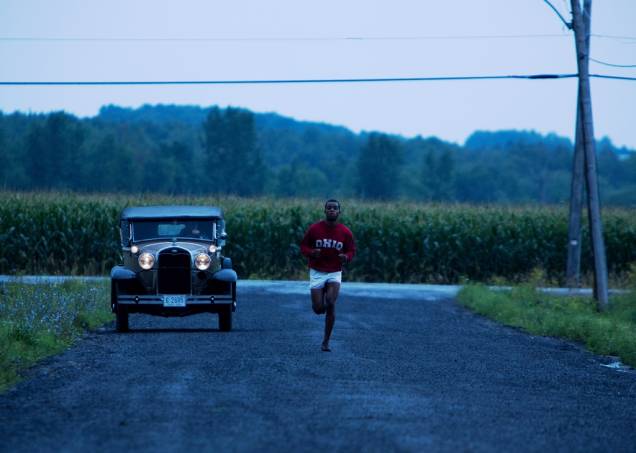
(407, 372)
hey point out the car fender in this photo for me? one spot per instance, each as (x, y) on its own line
(121, 273)
(225, 275)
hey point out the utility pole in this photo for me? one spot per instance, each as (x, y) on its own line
(573, 266)
(587, 127)
(577, 191)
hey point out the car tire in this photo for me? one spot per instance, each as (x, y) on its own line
(225, 319)
(121, 321)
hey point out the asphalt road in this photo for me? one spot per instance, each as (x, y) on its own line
(410, 371)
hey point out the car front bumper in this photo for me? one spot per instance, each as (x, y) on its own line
(158, 300)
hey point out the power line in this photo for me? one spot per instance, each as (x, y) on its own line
(286, 81)
(303, 81)
(597, 35)
(603, 76)
(274, 39)
(298, 38)
(613, 64)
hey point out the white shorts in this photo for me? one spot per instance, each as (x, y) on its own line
(318, 279)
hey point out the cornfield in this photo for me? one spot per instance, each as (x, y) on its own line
(397, 242)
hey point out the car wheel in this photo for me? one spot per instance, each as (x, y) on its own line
(121, 321)
(225, 319)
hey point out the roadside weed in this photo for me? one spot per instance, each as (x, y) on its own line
(571, 317)
(38, 320)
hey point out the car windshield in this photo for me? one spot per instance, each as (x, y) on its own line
(173, 228)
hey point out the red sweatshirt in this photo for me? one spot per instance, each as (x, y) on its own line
(332, 240)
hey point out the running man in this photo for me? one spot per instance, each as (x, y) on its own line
(327, 245)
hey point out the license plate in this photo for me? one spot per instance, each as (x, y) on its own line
(174, 301)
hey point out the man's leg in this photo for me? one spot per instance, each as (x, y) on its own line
(317, 300)
(332, 290)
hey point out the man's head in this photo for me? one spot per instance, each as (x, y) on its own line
(332, 209)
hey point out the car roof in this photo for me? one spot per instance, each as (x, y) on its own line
(171, 211)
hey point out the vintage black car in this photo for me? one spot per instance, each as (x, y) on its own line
(173, 264)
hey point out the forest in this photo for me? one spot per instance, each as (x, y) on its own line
(188, 150)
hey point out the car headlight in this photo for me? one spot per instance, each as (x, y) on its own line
(134, 249)
(202, 261)
(146, 260)
(213, 248)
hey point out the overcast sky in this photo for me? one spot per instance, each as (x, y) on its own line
(275, 39)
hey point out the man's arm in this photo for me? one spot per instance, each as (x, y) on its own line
(306, 246)
(348, 250)
(349, 247)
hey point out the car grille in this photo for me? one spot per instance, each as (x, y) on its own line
(174, 275)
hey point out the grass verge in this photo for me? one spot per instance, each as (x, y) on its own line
(39, 320)
(575, 318)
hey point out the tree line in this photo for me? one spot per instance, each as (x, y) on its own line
(201, 151)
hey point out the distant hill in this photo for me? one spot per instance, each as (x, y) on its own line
(282, 139)
(162, 148)
(195, 115)
(188, 114)
(506, 139)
